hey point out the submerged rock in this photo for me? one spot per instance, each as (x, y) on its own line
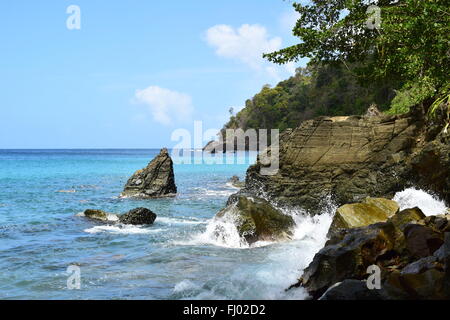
(138, 216)
(154, 181)
(257, 220)
(100, 215)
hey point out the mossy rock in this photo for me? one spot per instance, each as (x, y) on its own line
(257, 220)
(370, 211)
(100, 215)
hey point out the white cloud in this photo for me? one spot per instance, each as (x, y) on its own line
(166, 106)
(247, 44)
(288, 21)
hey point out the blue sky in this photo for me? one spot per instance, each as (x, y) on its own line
(135, 71)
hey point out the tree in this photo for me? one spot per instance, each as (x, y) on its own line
(412, 44)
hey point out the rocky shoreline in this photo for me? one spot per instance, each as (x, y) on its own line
(347, 160)
(358, 163)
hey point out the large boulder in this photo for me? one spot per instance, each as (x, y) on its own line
(411, 250)
(138, 216)
(257, 220)
(370, 211)
(348, 258)
(154, 181)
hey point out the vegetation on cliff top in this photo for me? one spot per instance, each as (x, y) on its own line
(354, 65)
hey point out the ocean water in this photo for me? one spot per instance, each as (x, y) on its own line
(185, 254)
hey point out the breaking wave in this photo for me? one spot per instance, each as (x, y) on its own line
(429, 204)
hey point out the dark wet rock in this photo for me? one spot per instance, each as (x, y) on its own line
(154, 181)
(411, 250)
(351, 290)
(426, 285)
(422, 241)
(100, 215)
(257, 220)
(138, 216)
(446, 256)
(349, 258)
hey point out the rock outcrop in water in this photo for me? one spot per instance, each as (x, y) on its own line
(137, 216)
(350, 158)
(257, 220)
(154, 181)
(411, 250)
(100, 215)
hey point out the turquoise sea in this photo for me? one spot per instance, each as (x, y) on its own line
(186, 254)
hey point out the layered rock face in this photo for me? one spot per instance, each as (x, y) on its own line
(154, 181)
(350, 158)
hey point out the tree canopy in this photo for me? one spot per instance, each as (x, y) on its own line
(410, 45)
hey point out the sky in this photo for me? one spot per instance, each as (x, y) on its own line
(128, 74)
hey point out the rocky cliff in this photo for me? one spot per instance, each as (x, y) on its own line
(350, 158)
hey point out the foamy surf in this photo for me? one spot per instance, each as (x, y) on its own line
(222, 231)
(122, 229)
(412, 197)
(171, 221)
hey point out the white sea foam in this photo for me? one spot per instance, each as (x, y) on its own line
(203, 193)
(279, 267)
(185, 285)
(222, 231)
(429, 204)
(122, 229)
(170, 221)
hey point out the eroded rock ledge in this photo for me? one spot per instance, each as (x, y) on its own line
(350, 158)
